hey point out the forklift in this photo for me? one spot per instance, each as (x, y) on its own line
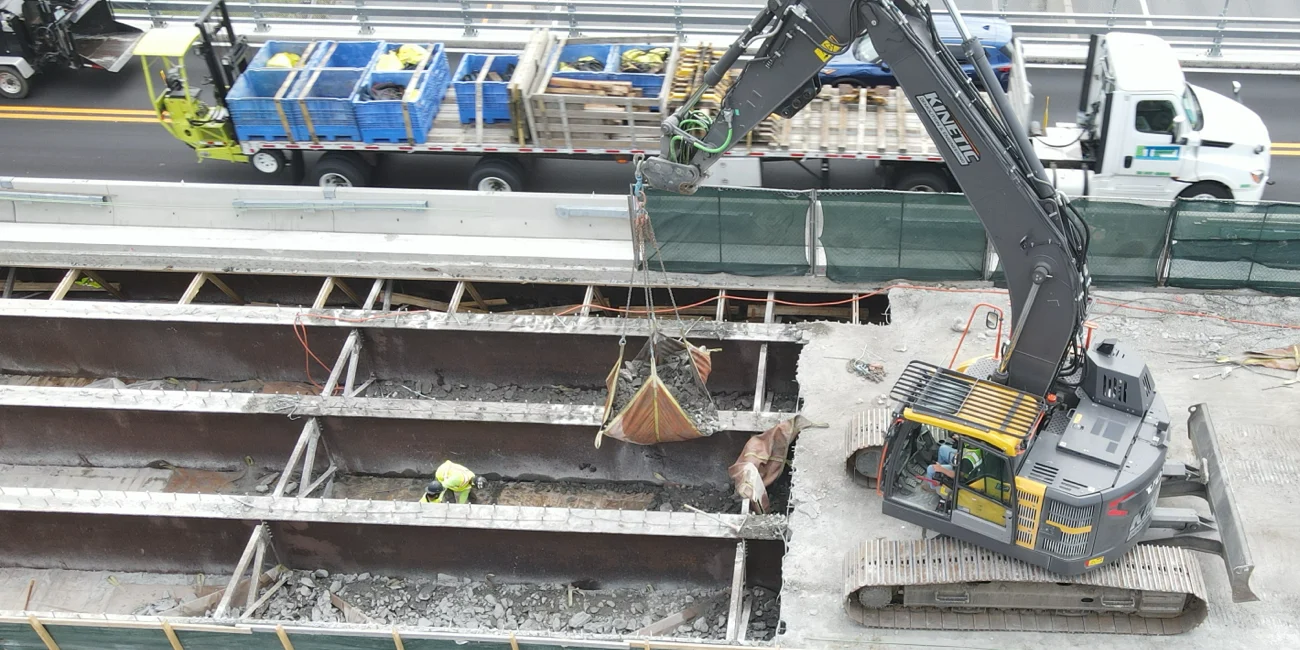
(41, 35)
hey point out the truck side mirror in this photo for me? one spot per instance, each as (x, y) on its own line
(1236, 90)
(1176, 133)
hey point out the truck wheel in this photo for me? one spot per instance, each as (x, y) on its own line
(13, 85)
(923, 180)
(341, 169)
(268, 161)
(497, 175)
(1206, 190)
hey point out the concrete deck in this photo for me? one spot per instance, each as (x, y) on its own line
(1254, 414)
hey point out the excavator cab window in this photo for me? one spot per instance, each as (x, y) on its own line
(984, 483)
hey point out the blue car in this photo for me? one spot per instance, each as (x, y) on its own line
(860, 65)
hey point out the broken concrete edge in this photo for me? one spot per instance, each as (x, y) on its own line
(392, 513)
(192, 624)
(132, 399)
(418, 320)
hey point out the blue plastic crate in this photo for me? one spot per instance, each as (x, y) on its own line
(348, 54)
(649, 83)
(272, 48)
(251, 102)
(570, 53)
(496, 95)
(327, 94)
(382, 120)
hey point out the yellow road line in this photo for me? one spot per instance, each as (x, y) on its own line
(1286, 153)
(67, 109)
(5, 115)
(1286, 145)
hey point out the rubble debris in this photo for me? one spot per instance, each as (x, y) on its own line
(764, 614)
(447, 601)
(606, 495)
(764, 459)
(1284, 358)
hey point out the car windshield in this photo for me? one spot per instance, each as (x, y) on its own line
(1192, 109)
(865, 51)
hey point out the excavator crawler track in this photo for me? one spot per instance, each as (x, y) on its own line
(946, 584)
(864, 442)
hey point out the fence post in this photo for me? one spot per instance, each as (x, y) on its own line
(1254, 254)
(364, 18)
(677, 19)
(155, 16)
(1217, 48)
(813, 227)
(1165, 261)
(573, 19)
(259, 20)
(469, 22)
(1110, 20)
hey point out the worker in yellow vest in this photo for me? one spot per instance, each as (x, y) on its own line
(450, 476)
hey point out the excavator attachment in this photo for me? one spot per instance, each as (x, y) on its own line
(1231, 542)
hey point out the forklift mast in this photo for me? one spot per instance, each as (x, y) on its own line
(225, 53)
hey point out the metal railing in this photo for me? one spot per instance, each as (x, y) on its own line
(469, 20)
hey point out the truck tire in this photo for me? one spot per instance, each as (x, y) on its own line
(497, 175)
(923, 180)
(1206, 190)
(13, 85)
(341, 169)
(268, 161)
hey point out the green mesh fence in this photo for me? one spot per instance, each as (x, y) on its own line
(724, 230)
(1225, 245)
(874, 236)
(78, 637)
(1127, 240)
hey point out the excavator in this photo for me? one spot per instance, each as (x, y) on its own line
(1039, 468)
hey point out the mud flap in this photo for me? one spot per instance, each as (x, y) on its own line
(1232, 536)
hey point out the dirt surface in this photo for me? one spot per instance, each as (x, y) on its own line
(598, 495)
(447, 601)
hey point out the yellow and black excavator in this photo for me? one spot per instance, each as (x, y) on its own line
(1040, 471)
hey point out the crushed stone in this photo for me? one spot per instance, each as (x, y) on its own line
(447, 601)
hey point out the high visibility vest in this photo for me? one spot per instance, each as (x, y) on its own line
(456, 478)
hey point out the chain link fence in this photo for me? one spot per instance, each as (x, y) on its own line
(1128, 240)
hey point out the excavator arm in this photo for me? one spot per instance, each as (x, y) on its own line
(1041, 242)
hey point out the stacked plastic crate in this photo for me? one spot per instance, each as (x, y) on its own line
(255, 99)
(474, 85)
(322, 108)
(408, 118)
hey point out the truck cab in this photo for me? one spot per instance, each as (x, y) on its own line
(1145, 133)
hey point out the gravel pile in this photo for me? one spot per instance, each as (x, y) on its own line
(486, 392)
(450, 602)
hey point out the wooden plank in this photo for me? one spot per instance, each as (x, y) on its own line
(900, 102)
(270, 593)
(171, 636)
(881, 145)
(562, 82)
(824, 142)
(240, 567)
(862, 121)
(352, 295)
(196, 283)
(438, 305)
(199, 606)
(284, 637)
(322, 296)
(43, 633)
(842, 140)
(478, 297)
(27, 594)
(680, 618)
(113, 290)
(351, 614)
(65, 284)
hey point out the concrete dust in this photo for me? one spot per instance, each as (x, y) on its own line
(669, 497)
(447, 601)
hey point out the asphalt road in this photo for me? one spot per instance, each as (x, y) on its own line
(95, 125)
